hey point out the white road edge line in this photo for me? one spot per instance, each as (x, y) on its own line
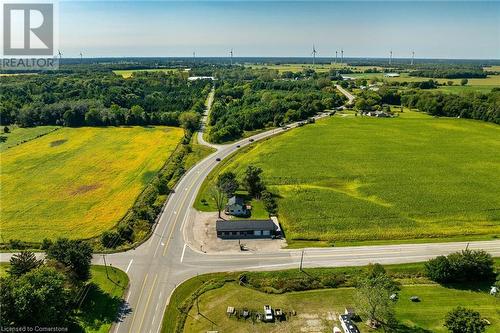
(129, 264)
(183, 250)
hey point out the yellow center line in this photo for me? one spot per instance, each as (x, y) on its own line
(178, 215)
(138, 302)
(147, 302)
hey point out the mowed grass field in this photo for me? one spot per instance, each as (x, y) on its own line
(19, 135)
(318, 310)
(355, 179)
(78, 182)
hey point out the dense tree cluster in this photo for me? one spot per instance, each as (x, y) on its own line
(45, 293)
(473, 105)
(450, 72)
(99, 99)
(245, 106)
(464, 266)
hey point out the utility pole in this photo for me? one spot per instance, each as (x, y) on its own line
(106, 266)
(301, 260)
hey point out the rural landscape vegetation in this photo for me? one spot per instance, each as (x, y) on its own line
(380, 177)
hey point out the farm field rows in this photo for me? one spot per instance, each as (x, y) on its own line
(354, 179)
(318, 310)
(78, 182)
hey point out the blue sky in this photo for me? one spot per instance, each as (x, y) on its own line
(441, 29)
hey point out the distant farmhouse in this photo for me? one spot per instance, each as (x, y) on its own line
(391, 74)
(236, 206)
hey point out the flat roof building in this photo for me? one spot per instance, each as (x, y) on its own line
(236, 229)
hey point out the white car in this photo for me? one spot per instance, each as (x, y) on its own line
(268, 313)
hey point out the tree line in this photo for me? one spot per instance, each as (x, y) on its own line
(251, 105)
(473, 105)
(100, 99)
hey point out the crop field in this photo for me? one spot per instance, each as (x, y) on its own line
(318, 310)
(355, 179)
(20, 135)
(78, 182)
(126, 73)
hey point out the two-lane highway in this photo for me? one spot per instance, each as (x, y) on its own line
(165, 260)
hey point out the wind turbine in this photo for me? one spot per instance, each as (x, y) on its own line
(314, 54)
(59, 54)
(390, 57)
(412, 57)
(194, 57)
(231, 56)
(342, 56)
(81, 57)
(336, 56)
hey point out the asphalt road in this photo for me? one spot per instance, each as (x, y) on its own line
(164, 261)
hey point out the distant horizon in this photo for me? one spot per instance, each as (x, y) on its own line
(432, 29)
(273, 57)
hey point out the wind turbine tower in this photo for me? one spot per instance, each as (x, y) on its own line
(412, 57)
(60, 55)
(336, 56)
(194, 57)
(314, 54)
(390, 57)
(81, 57)
(231, 56)
(341, 56)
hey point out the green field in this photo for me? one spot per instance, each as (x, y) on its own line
(316, 308)
(355, 179)
(126, 73)
(100, 307)
(78, 182)
(20, 135)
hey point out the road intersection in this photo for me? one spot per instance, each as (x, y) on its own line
(165, 260)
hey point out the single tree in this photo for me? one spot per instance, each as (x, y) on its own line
(463, 82)
(23, 262)
(373, 298)
(253, 182)
(189, 120)
(227, 183)
(219, 198)
(6, 129)
(269, 202)
(75, 255)
(463, 320)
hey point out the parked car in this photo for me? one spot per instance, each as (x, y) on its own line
(218, 159)
(238, 146)
(268, 313)
(251, 140)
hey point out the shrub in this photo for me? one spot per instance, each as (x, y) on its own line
(46, 243)
(462, 320)
(110, 239)
(17, 244)
(439, 269)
